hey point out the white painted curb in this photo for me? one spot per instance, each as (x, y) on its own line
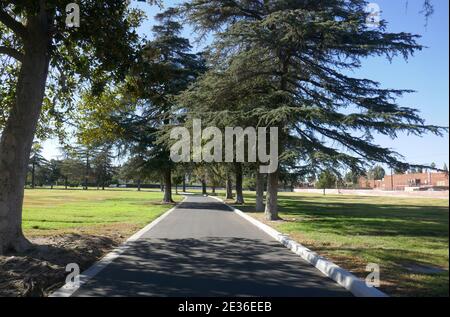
(68, 289)
(344, 278)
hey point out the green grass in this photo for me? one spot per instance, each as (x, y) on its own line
(356, 230)
(49, 211)
(350, 230)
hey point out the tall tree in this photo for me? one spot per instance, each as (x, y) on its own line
(103, 167)
(167, 68)
(55, 174)
(135, 169)
(42, 44)
(85, 154)
(289, 62)
(327, 179)
(36, 161)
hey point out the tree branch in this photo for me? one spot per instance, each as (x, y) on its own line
(12, 52)
(14, 25)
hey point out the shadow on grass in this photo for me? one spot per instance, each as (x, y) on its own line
(345, 217)
(352, 231)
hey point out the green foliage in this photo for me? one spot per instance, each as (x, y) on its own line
(353, 177)
(376, 173)
(326, 180)
(100, 51)
(286, 64)
(133, 115)
(249, 183)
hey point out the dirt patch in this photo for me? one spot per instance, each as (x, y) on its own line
(42, 269)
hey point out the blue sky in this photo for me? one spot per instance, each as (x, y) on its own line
(426, 72)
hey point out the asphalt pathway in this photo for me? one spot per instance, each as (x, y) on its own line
(204, 249)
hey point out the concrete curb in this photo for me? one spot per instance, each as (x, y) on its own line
(344, 278)
(67, 290)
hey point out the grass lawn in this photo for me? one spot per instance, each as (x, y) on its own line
(402, 235)
(59, 211)
(73, 226)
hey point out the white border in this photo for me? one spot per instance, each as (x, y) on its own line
(68, 289)
(344, 278)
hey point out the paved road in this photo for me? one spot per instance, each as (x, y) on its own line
(204, 249)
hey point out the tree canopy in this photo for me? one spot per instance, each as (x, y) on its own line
(287, 64)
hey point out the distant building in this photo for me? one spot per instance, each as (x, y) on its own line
(411, 181)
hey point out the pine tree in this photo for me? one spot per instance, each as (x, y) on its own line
(326, 180)
(103, 168)
(36, 161)
(286, 64)
(167, 67)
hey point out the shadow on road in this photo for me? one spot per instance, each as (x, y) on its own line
(210, 267)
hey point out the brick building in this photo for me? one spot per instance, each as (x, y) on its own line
(420, 181)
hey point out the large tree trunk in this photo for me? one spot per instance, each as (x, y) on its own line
(184, 183)
(204, 189)
(18, 134)
(139, 184)
(229, 187)
(239, 179)
(259, 192)
(168, 186)
(271, 211)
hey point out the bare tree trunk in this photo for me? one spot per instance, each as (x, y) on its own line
(271, 211)
(239, 192)
(103, 178)
(229, 186)
(204, 190)
(168, 186)
(184, 183)
(139, 184)
(259, 192)
(18, 134)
